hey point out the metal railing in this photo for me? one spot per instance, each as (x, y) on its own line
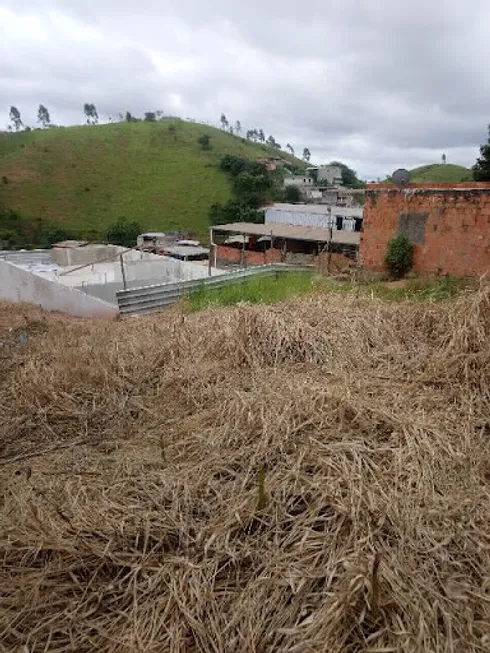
(150, 299)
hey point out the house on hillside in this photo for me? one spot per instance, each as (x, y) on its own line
(324, 175)
(271, 162)
(301, 181)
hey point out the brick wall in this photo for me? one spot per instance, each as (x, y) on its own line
(234, 255)
(449, 225)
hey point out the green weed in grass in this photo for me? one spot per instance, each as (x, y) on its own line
(254, 290)
(271, 290)
(421, 290)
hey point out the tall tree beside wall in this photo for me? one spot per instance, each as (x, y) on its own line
(481, 169)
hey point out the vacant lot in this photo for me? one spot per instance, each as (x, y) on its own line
(312, 476)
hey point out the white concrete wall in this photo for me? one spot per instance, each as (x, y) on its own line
(165, 268)
(299, 180)
(18, 285)
(146, 273)
(313, 218)
(83, 255)
(138, 266)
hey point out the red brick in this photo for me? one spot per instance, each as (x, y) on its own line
(457, 235)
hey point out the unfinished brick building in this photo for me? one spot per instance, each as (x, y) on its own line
(449, 224)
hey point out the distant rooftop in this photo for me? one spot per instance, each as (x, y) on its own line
(318, 209)
(185, 251)
(292, 232)
(71, 244)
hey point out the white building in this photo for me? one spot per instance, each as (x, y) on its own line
(302, 181)
(316, 215)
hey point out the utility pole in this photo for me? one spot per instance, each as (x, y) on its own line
(123, 273)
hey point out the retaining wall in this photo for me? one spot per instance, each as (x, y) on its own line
(18, 285)
(449, 225)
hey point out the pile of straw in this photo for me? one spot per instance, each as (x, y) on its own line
(309, 477)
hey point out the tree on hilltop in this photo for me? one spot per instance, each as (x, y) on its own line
(43, 116)
(91, 113)
(15, 118)
(481, 169)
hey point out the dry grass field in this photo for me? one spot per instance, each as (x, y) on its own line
(311, 476)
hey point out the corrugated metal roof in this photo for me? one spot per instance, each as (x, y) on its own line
(292, 232)
(319, 209)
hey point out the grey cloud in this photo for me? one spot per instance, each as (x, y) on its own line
(374, 82)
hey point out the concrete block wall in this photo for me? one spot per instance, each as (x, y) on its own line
(19, 285)
(449, 225)
(84, 255)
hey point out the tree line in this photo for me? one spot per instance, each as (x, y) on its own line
(92, 118)
(258, 136)
(89, 110)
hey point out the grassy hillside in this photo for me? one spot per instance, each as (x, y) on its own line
(88, 177)
(438, 172)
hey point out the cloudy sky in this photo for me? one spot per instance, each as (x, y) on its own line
(377, 83)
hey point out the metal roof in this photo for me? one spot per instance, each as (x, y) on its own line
(291, 232)
(185, 251)
(317, 209)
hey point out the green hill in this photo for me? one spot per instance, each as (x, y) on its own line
(88, 177)
(439, 172)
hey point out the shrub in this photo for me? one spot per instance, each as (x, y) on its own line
(399, 256)
(58, 234)
(123, 233)
(234, 211)
(5, 179)
(292, 194)
(204, 141)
